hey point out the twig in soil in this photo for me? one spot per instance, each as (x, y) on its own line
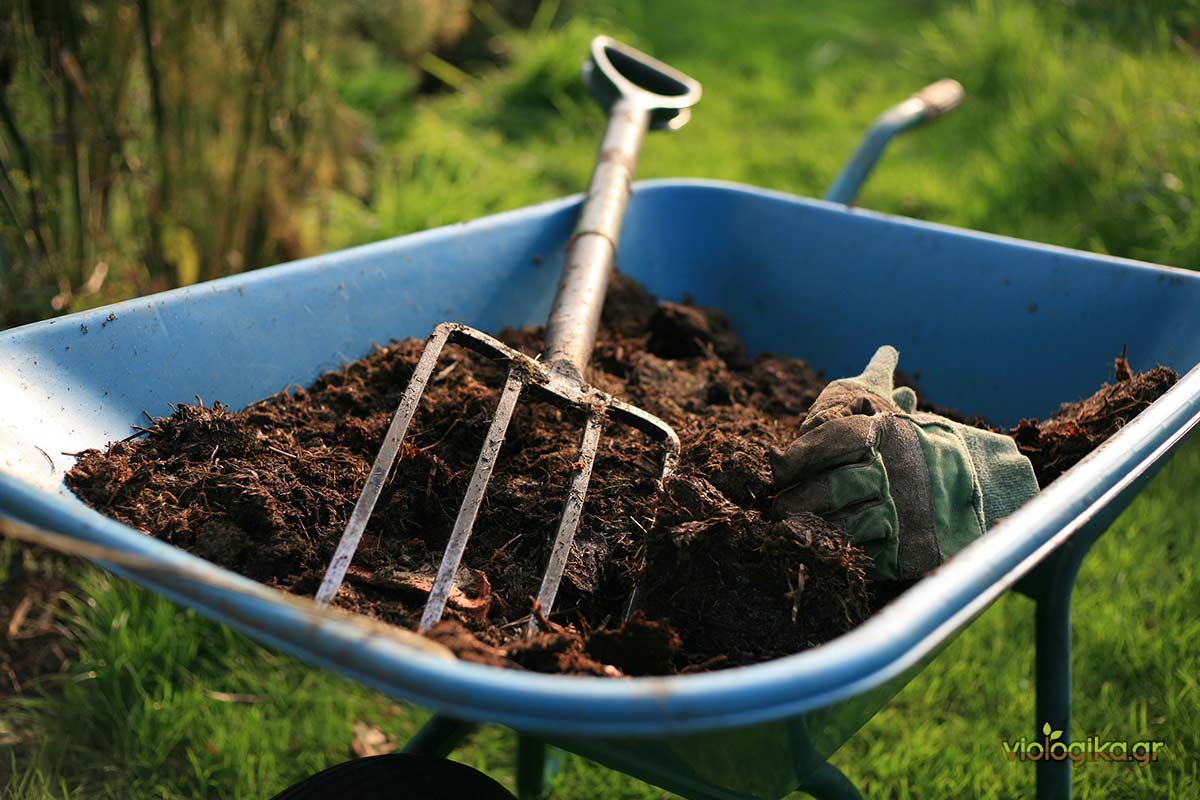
(1121, 366)
(704, 666)
(801, 579)
(311, 540)
(543, 623)
(501, 548)
(453, 425)
(516, 622)
(274, 449)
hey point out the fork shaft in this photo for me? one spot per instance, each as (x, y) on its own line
(575, 315)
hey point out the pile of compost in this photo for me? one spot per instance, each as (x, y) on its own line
(697, 576)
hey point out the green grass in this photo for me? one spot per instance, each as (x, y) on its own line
(1078, 130)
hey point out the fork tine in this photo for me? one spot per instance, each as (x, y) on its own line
(568, 523)
(384, 459)
(467, 512)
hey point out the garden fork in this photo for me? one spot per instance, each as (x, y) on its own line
(640, 93)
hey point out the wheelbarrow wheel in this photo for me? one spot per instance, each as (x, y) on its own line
(397, 776)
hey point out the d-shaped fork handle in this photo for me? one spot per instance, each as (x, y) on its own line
(640, 93)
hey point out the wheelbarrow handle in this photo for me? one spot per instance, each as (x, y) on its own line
(640, 93)
(938, 98)
(926, 105)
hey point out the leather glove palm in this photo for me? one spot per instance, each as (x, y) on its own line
(911, 488)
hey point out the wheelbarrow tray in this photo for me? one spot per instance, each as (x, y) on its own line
(990, 325)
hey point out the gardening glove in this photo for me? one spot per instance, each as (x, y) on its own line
(909, 487)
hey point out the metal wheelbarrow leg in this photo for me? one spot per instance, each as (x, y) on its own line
(536, 767)
(441, 735)
(1051, 586)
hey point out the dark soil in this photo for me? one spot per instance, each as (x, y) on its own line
(715, 582)
(1076, 429)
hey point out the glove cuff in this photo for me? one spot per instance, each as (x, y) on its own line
(1006, 474)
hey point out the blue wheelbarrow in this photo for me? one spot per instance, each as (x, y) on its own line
(816, 278)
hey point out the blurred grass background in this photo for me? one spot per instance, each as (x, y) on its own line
(147, 144)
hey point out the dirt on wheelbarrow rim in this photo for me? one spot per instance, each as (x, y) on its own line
(693, 577)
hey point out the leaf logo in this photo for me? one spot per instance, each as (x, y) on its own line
(1053, 734)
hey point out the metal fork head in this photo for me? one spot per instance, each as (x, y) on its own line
(558, 386)
(639, 92)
